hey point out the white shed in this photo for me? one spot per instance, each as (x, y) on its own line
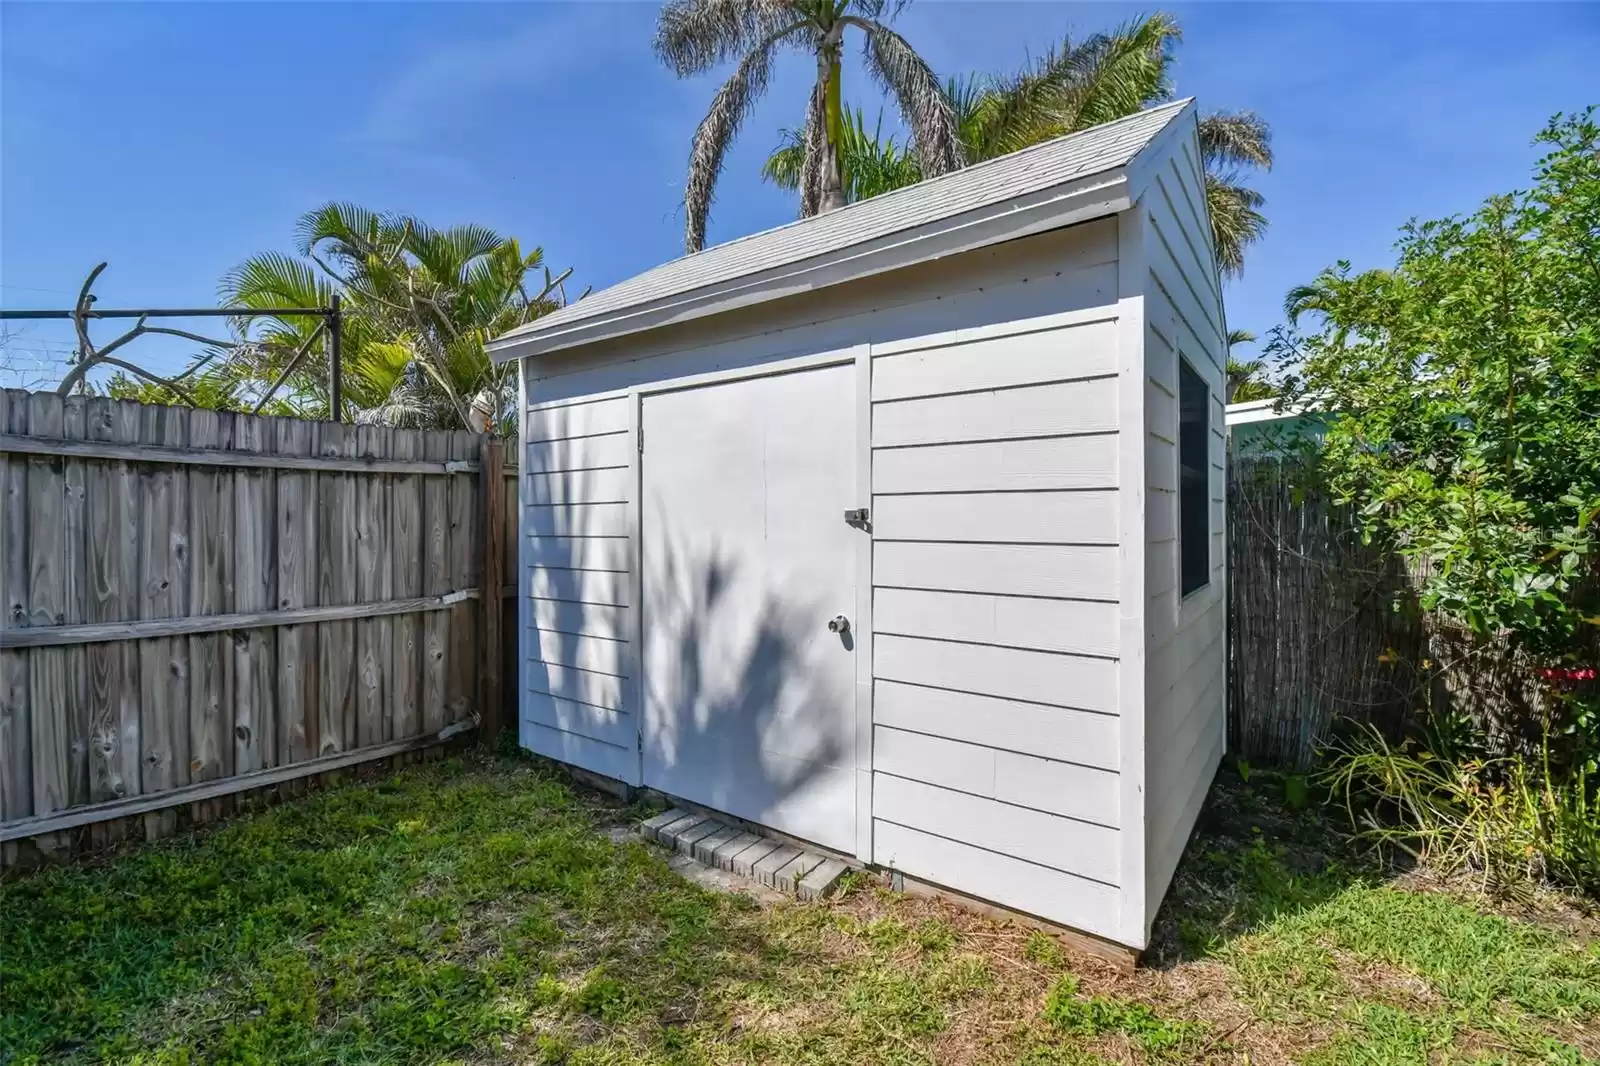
(900, 529)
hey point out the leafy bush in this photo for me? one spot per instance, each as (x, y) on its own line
(1466, 387)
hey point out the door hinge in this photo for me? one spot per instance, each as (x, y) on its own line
(638, 435)
(858, 517)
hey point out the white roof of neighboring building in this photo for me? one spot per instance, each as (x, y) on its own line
(1041, 187)
(1242, 414)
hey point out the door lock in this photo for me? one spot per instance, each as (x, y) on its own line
(840, 624)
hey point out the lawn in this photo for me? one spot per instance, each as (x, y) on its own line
(478, 909)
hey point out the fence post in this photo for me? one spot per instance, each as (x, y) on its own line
(491, 490)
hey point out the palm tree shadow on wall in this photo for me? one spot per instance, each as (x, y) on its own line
(732, 712)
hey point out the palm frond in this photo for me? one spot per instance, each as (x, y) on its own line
(692, 36)
(1240, 336)
(357, 229)
(927, 111)
(1115, 74)
(784, 165)
(729, 108)
(1236, 139)
(1236, 220)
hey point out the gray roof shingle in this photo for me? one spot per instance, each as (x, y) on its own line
(994, 181)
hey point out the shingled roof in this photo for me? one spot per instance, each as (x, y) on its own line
(672, 291)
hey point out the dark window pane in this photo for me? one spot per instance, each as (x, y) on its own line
(1194, 468)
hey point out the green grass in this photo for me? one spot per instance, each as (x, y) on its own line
(473, 910)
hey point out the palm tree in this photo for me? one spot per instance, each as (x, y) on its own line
(420, 305)
(1244, 379)
(692, 36)
(1102, 78)
(876, 163)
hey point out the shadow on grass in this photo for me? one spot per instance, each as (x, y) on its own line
(1253, 859)
(470, 905)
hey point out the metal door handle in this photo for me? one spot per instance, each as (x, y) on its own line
(840, 624)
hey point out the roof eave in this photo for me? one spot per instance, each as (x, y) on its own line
(1080, 200)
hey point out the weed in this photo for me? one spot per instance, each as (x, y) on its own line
(1099, 1015)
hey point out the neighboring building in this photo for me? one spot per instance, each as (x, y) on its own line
(1258, 430)
(900, 529)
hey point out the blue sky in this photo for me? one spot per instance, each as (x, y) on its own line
(174, 140)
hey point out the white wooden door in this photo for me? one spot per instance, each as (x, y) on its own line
(749, 697)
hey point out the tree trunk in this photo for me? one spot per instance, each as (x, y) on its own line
(828, 79)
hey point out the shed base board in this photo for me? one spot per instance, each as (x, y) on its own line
(611, 786)
(1119, 955)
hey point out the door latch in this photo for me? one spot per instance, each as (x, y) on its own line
(858, 517)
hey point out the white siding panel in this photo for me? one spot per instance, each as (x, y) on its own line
(578, 520)
(598, 690)
(581, 486)
(586, 419)
(1161, 410)
(1064, 844)
(947, 763)
(596, 756)
(580, 553)
(1036, 411)
(583, 653)
(1005, 465)
(1018, 570)
(1058, 787)
(1169, 828)
(1161, 515)
(579, 453)
(1054, 732)
(1089, 795)
(1081, 517)
(582, 586)
(1160, 463)
(1160, 357)
(1160, 567)
(1082, 626)
(1023, 886)
(1041, 677)
(564, 616)
(1173, 661)
(553, 712)
(1079, 351)
(1186, 716)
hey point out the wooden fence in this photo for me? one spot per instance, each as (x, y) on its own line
(1312, 630)
(198, 603)
(1323, 627)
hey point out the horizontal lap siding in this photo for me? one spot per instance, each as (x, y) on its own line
(1184, 670)
(578, 480)
(995, 616)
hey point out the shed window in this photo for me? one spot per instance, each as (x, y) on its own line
(1194, 504)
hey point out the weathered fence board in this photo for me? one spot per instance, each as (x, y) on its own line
(198, 603)
(1314, 633)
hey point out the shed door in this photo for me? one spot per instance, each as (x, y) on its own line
(749, 698)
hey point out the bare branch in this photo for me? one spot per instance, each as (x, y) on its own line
(186, 335)
(166, 383)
